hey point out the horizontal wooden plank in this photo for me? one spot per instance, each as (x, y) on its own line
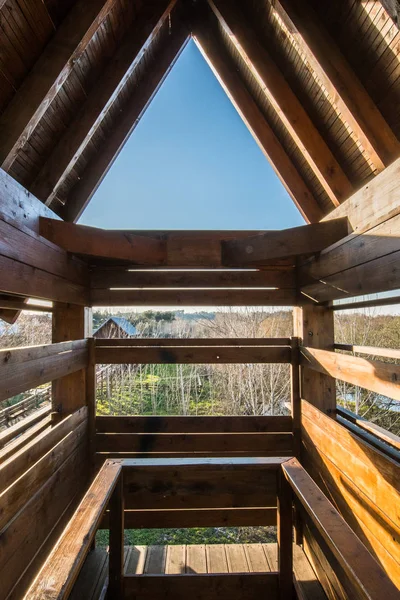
(61, 569)
(117, 278)
(371, 350)
(382, 378)
(231, 586)
(200, 297)
(200, 483)
(24, 438)
(31, 249)
(183, 342)
(24, 280)
(306, 239)
(377, 476)
(16, 430)
(23, 354)
(368, 579)
(352, 251)
(196, 424)
(197, 355)
(25, 457)
(376, 202)
(19, 205)
(194, 442)
(228, 517)
(17, 376)
(379, 275)
(19, 493)
(9, 305)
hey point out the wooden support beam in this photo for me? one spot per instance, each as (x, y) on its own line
(136, 43)
(70, 322)
(286, 104)
(306, 239)
(184, 342)
(341, 82)
(198, 297)
(224, 70)
(91, 241)
(48, 75)
(134, 108)
(314, 326)
(195, 355)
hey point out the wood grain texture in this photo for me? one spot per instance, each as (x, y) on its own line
(194, 355)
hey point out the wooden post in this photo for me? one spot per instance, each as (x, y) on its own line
(70, 322)
(296, 416)
(285, 538)
(91, 397)
(314, 326)
(116, 560)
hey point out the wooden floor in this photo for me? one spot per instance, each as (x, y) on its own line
(215, 558)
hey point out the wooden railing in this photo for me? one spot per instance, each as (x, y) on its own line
(278, 481)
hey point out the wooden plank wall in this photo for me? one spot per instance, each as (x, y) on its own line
(30, 265)
(366, 261)
(40, 486)
(362, 482)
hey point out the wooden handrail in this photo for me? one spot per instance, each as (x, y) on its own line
(372, 428)
(366, 577)
(184, 342)
(61, 569)
(371, 350)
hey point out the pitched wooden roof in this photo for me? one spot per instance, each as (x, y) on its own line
(318, 84)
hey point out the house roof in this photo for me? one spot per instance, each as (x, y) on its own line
(122, 323)
(317, 83)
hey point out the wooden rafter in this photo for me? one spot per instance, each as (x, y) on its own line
(341, 82)
(98, 167)
(230, 80)
(286, 104)
(136, 43)
(48, 75)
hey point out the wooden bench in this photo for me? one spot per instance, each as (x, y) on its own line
(184, 480)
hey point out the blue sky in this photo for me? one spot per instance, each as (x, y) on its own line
(191, 164)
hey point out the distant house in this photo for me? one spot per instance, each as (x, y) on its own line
(115, 327)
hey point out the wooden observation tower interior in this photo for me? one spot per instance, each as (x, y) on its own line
(318, 85)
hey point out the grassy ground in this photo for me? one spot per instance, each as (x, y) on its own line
(208, 535)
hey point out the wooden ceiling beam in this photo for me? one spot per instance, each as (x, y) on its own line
(227, 75)
(286, 104)
(307, 239)
(136, 43)
(340, 81)
(163, 61)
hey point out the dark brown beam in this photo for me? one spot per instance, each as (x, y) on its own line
(202, 297)
(341, 82)
(135, 107)
(306, 239)
(48, 75)
(136, 43)
(16, 305)
(197, 355)
(286, 104)
(192, 279)
(226, 73)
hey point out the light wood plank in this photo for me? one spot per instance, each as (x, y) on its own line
(216, 558)
(196, 559)
(175, 560)
(256, 558)
(155, 560)
(236, 558)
